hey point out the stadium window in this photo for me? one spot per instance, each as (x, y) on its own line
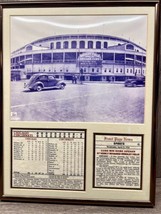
(108, 56)
(58, 45)
(110, 70)
(58, 57)
(92, 69)
(121, 70)
(28, 59)
(36, 58)
(117, 70)
(74, 44)
(130, 70)
(46, 57)
(129, 47)
(66, 70)
(82, 44)
(98, 45)
(22, 58)
(105, 45)
(65, 45)
(84, 69)
(14, 60)
(70, 56)
(127, 70)
(90, 44)
(144, 59)
(29, 48)
(97, 69)
(139, 58)
(51, 45)
(119, 57)
(129, 57)
(105, 70)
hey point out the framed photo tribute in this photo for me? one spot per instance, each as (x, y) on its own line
(78, 88)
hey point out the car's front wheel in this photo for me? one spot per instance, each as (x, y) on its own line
(38, 88)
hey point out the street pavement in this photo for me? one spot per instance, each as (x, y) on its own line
(87, 102)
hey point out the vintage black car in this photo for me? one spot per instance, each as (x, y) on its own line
(38, 82)
(138, 81)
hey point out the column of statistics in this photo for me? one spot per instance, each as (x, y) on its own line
(48, 159)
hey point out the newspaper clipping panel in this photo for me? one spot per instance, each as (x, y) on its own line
(48, 159)
(118, 161)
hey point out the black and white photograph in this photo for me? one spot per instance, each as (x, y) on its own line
(83, 68)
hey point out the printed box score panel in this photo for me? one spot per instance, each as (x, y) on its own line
(48, 159)
(118, 161)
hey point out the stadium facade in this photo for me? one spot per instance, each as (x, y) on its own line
(91, 57)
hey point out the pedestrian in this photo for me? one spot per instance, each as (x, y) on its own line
(75, 80)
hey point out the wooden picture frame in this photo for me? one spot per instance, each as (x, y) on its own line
(91, 139)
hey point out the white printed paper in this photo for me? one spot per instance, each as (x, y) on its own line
(48, 159)
(118, 161)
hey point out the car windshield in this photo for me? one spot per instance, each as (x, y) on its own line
(31, 79)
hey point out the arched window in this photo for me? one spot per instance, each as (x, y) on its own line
(130, 47)
(105, 45)
(74, 44)
(51, 45)
(98, 45)
(29, 48)
(82, 44)
(58, 45)
(90, 44)
(65, 45)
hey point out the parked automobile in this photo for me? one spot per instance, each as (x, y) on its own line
(38, 82)
(138, 81)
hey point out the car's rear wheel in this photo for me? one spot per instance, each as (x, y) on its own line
(61, 86)
(38, 88)
(134, 85)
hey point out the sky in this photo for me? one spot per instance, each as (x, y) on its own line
(26, 29)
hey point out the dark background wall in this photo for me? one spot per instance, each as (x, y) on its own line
(158, 113)
(158, 129)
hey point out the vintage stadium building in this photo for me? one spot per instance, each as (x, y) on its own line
(93, 57)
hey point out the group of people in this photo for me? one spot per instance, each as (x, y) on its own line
(74, 79)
